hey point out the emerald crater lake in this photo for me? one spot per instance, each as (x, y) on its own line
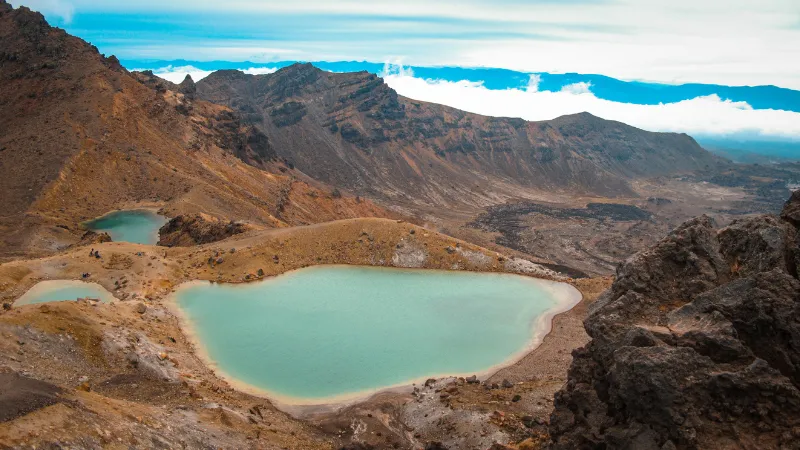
(63, 290)
(328, 334)
(139, 226)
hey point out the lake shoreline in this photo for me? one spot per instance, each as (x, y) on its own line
(565, 295)
(45, 287)
(119, 233)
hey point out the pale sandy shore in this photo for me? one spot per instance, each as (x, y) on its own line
(565, 295)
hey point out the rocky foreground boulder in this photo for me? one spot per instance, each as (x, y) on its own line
(695, 345)
(195, 229)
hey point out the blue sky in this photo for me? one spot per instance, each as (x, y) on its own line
(719, 42)
(732, 42)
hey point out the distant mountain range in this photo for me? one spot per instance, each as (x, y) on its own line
(743, 147)
(352, 130)
(636, 92)
(750, 151)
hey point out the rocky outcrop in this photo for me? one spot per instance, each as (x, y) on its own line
(695, 345)
(791, 213)
(187, 87)
(93, 237)
(195, 229)
(245, 141)
(149, 79)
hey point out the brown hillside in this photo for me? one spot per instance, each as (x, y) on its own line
(80, 136)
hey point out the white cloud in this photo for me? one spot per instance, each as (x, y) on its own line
(177, 74)
(706, 116)
(577, 88)
(211, 49)
(60, 8)
(259, 70)
(712, 41)
(396, 68)
(699, 116)
(533, 83)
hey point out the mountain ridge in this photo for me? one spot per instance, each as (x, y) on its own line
(416, 147)
(603, 86)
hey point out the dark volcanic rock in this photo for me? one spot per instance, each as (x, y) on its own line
(757, 244)
(358, 446)
(288, 114)
(20, 395)
(93, 237)
(791, 212)
(195, 229)
(148, 78)
(435, 445)
(658, 201)
(245, 141)
(695, 345)
(683, 265)
(187, 87)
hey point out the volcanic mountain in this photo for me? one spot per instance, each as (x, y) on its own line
(79, 136)
(353, 131)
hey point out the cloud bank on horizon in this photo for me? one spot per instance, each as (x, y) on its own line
(732, 42)
(701, 116)
(178, 74)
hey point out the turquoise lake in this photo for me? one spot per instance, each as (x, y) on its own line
(139, 226)
(63, 290)
(333, 331)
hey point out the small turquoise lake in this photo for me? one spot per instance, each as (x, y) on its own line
(63, 290)
(326, 333)
(139, 226)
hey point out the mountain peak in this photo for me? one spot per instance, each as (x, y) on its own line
(300, 71)
(578, 117)
(187, 87)
(226, 74)
(299, 67)
(28, 20)
(360, 116)
(292, 80)
(585, 115)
